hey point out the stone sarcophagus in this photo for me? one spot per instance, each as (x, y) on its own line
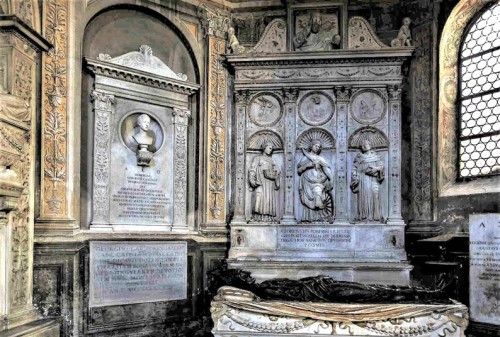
(318, 161)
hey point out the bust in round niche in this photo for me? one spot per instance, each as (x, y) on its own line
(143, 135)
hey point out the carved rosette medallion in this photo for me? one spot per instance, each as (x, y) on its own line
(54, 112)
(316, 108)
(265, 110)
(368, 107)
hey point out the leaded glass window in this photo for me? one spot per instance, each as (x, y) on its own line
(479, 134)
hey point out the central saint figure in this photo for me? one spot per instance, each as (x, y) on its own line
(315, 185)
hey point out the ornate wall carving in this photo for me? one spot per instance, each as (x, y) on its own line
(422, 107)
(54, 111)
(181, 118)
(217, 86)
(448, 80)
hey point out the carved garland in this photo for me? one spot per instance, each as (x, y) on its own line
(54, 126)
(217, 96)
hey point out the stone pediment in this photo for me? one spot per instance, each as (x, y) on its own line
(144, 60)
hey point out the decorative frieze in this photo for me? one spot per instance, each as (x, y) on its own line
(54, 112)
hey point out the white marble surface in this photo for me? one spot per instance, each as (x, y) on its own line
(484, 279)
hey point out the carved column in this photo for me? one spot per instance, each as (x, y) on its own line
(103, 108)
(241, 97)
(394, 93)
(290, 99)
(56, 192)
(18, 93)
(181, 119)
(341, 207)
(215, 24)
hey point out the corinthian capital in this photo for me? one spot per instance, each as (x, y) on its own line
(214, 22)
(102, 100)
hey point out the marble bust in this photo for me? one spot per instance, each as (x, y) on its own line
(316, 37)
(366, 177)
(315, 184)
(143, 142)
(264, 180)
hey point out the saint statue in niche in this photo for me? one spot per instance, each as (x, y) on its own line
(264, 179)
(317, 35)
(315, 184)
(366, 177)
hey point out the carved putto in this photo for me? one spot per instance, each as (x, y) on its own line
(367, 174)
(317, 35)
(144, 60)
(404, 36)
(234, 46)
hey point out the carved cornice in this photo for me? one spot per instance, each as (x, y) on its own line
(390, 55)
(16, 26)
(135, 76)
(214, 22)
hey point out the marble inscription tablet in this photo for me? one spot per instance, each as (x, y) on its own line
(134, 272)
(484, 279)
(314, 238)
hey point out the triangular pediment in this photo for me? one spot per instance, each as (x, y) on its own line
(144, 60)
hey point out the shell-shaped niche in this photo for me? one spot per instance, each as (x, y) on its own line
(257, 141)
(307, 138)
(377, 139)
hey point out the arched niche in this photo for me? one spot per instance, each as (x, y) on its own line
(115, 31)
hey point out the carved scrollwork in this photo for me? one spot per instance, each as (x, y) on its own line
(342, 93)
(290, 95)
(54, 114)
(362, 36)
(395, 92)
(241, 96)
(273, 39)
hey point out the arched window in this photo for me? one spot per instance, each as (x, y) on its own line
(479, 96)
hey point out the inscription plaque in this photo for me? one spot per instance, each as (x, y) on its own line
(484, 279)
(136, 272)
(299, 238)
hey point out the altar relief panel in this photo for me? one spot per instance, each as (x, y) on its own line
(318, 157)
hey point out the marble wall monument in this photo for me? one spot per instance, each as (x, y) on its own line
(124, 272)
(318, 153)
(484, 271)
(141, 121)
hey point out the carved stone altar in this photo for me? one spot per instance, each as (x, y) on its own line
(140, 160)
(333, 119)
(237, 312)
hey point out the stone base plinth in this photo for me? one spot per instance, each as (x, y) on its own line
(40, 328)
(367, 273)
(239, 313)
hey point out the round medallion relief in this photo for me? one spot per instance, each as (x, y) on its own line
(265, 110)
(138, 128)
(368, 107)
(316, 108)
